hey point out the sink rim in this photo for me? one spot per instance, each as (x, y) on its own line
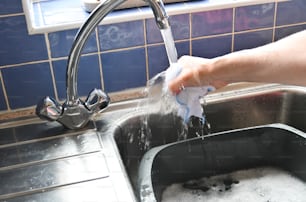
(145, 183)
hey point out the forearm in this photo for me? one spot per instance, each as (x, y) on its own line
(281, 62)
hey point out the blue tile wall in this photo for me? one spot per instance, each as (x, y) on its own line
(286, 31)
(16, 45)
(60, 43)
(130, 52)
(27, 84)
(124, 69)
(254, 17)
(10, 7)
(252, 39)
(157, 59)
(212, 22)
(121, 35)
(183, 48)
(88, 75)
(212, 47)
(291, 12)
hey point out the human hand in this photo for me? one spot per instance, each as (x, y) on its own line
(196, 72)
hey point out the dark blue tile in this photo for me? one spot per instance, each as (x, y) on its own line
(16, 45)
(252, 39)
(26, 85)
(121, 35)
(286, 31)
(61, 42)
(179, 25)
(124, 69)
(183, 48)
(3, 105)
(291, 12)
(88, 75)
(152, 32)
(157, 59)
(212, 22)
(254, 17)
(212, 47)
(10, 7)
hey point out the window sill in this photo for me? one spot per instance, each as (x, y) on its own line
(57, 15)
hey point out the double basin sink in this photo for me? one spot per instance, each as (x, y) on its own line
(128, 154)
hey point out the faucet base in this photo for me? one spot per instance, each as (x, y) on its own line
(73, 115)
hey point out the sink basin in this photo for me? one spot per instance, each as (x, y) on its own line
(104, 158)
(139, 132)
(271, 146)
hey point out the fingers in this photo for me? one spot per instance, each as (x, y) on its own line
(176, 86)
(184, 79)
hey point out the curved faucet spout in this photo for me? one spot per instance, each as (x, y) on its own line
(81, 38)
(75, 113)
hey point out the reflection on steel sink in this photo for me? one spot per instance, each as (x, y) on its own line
(225, 111)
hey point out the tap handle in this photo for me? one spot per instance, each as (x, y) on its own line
(97, 100)
(49, 109)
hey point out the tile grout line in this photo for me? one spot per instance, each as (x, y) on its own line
(233, 29)
(99, 57)
(190, 33)
(155, 44)
(23, 64)
(274, 20)
(12, 15)
(51, 65)
(4, 92)
(146, 49)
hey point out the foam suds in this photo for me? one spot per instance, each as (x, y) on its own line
(254, 185)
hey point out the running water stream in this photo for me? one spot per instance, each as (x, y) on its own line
(169, 44)
(159, 102)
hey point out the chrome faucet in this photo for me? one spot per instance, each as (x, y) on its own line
(75, 113)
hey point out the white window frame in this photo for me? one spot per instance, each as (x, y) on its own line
(34, 28)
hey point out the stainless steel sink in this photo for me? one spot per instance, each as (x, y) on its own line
(102, 160)
(273, 146)
(138, 132)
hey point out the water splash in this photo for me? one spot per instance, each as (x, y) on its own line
(160, 102)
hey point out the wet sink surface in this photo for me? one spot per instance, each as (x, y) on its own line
(137, 134)
(44, 162)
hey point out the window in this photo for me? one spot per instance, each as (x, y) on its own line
(55, 15)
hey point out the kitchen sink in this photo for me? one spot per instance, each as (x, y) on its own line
(107, 160)
(138, 133)
(276, 147)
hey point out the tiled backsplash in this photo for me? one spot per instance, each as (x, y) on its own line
(125, 55)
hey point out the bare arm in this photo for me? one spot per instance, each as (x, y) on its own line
(283, 61)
